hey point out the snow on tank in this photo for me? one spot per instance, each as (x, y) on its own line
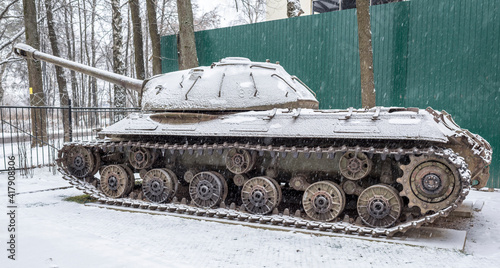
(232, 84)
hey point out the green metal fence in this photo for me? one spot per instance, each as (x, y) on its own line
(443, 54)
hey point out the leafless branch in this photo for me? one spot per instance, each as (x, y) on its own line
(7, 8)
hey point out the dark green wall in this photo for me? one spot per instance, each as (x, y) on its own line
(443, 54)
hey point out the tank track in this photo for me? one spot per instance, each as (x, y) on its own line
(278, 219)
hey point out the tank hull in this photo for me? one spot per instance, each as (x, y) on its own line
(380, 167)
(378, 127)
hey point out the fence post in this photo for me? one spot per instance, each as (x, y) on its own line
(70, 120)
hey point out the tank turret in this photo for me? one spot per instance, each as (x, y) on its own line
(233, 84)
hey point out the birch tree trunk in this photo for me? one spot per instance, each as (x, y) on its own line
(116, 23)
(365, 53)
(186, 43)
(37, 97)
(155, 37)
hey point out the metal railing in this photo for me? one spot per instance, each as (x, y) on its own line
(33, 134)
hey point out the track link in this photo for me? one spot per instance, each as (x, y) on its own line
(280, 219)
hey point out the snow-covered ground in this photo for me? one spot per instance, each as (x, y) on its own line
(55, 233)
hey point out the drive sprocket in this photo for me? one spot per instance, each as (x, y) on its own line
(430, 182)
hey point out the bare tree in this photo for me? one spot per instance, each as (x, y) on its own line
(70, 46)
(138, 45)
(186, 45)
(119, 92)
(365, 53)
(83, 45)
(155, 37)
(61, 81)
(37, 97)
(84, 32)
(93, 60)
(3, 15)
(6, 34)
(293, 8)
(206, 20)
(253, 10)
(6, 8)
(2, 71)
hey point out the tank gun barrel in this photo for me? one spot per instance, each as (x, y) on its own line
(29, 52)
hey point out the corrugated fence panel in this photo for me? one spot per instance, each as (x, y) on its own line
(443, 54)
(390, 49)
(169, 54)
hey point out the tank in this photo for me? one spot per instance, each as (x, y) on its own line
(250, 135)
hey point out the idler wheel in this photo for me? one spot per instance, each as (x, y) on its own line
(239, 161)
(323, 201)
(115, 181)
(78, 161)
(159, 185)
(355, 165)
(379, 206)
(207, 189)
(260, 195)
(430, 183)
(140, 158)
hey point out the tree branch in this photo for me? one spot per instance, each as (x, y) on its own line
(11, 40)
(7, 8)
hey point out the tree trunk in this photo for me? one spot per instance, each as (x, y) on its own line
(365, 53)
(146, 52)
(71, 46)
(127, 60)
(186, 44)
(116, 23)
(155, 37)
(61, 81)
(88, 88)
(93, 60)
(138, 45)
(2, 70)
(82, 58)
(37, 97)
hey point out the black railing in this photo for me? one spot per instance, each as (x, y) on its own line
(33, 134)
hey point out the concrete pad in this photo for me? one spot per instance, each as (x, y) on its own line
(464, 210)
(422, 237)
(436, 237)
